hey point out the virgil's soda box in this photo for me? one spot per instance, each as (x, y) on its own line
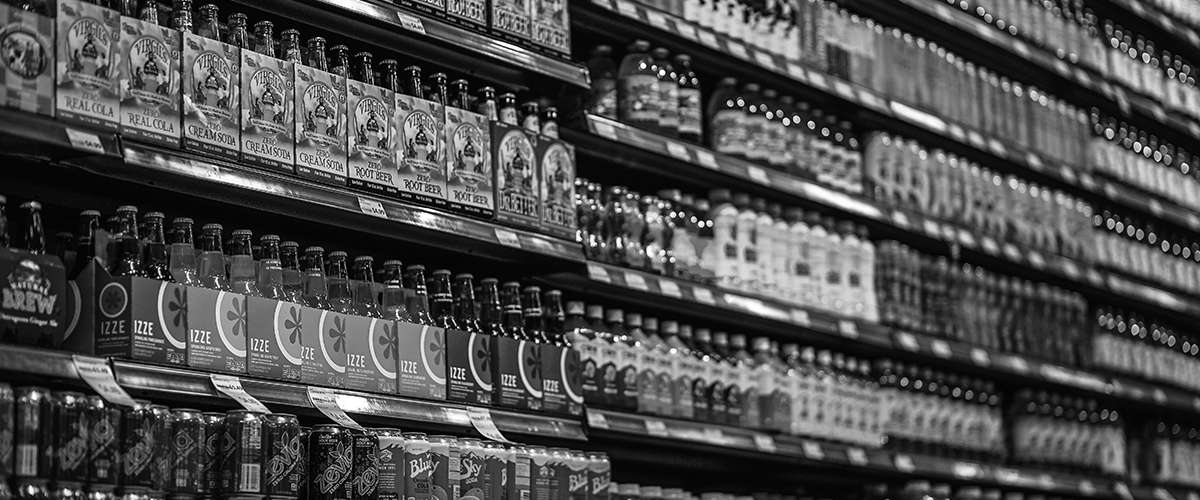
(557, 161)
(320, 120)
(87, 64)
(211, 90)
(149, 81)
(469, 181)
(371, 135)
(268, 100)
(517, 175)
(420, 154)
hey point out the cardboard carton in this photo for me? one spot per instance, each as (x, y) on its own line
(88, 66)
(557, 161)
(420, 150)
(320, 125)
(517, 175)
(149, 82)
(33, 299)
(470, 378)
(371, 138)
(422, 354)
(551, 27)
(217, 326)
(28, 73)
(275, 342)
(469, 178)
(136, 318)
(211, 96)
(268, 99)
(371, 355)
(517, 372)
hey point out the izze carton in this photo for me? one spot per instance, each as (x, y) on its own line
(517, 175)
(138, 318)
(371, 138)
(469, 182)
(470, 378)
(557, 161)
(320, 125)
(551, 26)
(27, 76)
(268, 100)
(517, 373)
(324, 363)
(211, 96)
(562, 380)
(371, 351)
(33, 299)
(275, 343)
(420, 150)
(421, 350)
(87, 64)
(150, 81)
(217, 330)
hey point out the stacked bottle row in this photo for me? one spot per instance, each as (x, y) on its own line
(902, 173)
(932, 411)
(745, 121)
(923, 490)
(1127, 154)
(1129, 343)
(1138, 249)
(966, 303)
(1168, 453)
(1182, 10)
(1075, 33)
(633, 491)
(1058, 430)
(735, 242)
(640, 364)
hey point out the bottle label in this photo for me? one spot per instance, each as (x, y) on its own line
(602, 98)
(647, 380)
(728, 132)
(638, 99)
(690, 116)
(627, 376)
(668, 109)
(757, 137)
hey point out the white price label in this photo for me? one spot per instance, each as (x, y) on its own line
(686, 30)
(86, 141)
(980, 357)
(1070, 269)
(1087, 488)
(765, 443)
(411, 22)
(1018, 365)
(997, 147)
(904, 463)
(1036, 259)
(844, 89)
(636, 282)
(1064, 69)
(738, 50)
(657, 20)
(1156, 208)
(900, 219)
(1159, 396)
(812, 450)
(764, 59)
(966, 239)
(597, 420)
(508, 238)
(326, 401)
(1034, 162)
(605, 130)
(800, 317)
(706, 159)
(714, 436)
(847, 328)
(1161, 493)
(1196, 404)
(678, 151)
(598, 273)
(757, 174)
(704, 296)
(870, 99)
(967, 470)
(957, 132)
(796, 71)
(670, 289)
(709, 39)
(481, 419)
(931, 228)
(941, 349)
(908, 341)
(818, 80)
(975, 139)
(1122, 489)
(990, 246)
(232, 387)
(1012, 252)
(374, 208)
(857, 456)
(657, 428)
(627, 9)
(98, 375)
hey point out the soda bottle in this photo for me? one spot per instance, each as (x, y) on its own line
(549, 122)
(4, 238)
(486, 103)
(389, 75)
(625, 360)
(337, 275)
(85, 240)
(416, 300)
(238, 36)
(637, 87)
(363, 70)
(129, 247)
(530, 118)
(713, 393)
(183, 251)
(601, 99)
(533, 324)
(270, 269)
(264, 38)
(727, 131)
(339, 60)
(33, 238)
(289, 44)
(212, 259)
(691, 127)
(316, 287)
(365, 300)
(209, 26)
(314, 53)
(292, 272)
(393, 292)
(723, 255)
(148, 11)
(755, 123)
(506, 108)
(437, 84)
(443, 300)
(155, 261)
(646, 364)
(668, 93)
(412, 82)
(460, 94)
(242, 276)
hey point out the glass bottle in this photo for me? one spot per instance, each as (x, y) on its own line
(530, 118)
(128, 243)
(183, 252)
(549, 122)
(490, 316)
(712, 394)
(691, 118)
(511, 317)
(294, 281)
(339, 60)
(242, 276)
(460, 94)
(5, 241)
(393, 292)
(442, 306)
(155, 261)
(209, 26)
(365, 299)
(417, 299)
(85, 240)
(315, 54)
(389, 76)
(438, 91)
(316, 286)
(212, 258)
(238, 36)
(33, 237)
(506, 108)
(364, 68)
(148, 11)
(467, 312)
(486, 104)
(637, 87)
(667, 88)
(264, 38)
(412, 82)
(533, 323)
(337, 275)
(270, 269)
(602, 95)
(289, 45)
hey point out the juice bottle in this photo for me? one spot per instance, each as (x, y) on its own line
(637, 87)
(727, 132)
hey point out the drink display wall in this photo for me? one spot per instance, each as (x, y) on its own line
(794, 250)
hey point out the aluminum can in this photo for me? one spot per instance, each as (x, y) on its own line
(577, 475)
(8, 417)
(520, 483)
(281, 455)
(241, 453)
(302, 464)
(100, 492)
(33, 437)
(104, 444)
(70, 439)
(543, 472)
(440, 487)
(163, 451)
(560, 459)
(366, 467)
(30, 488)
(213, 424)
(418, 466)
(495, 466)
(331, 460)
(187, 452)
(599, 474)
(391, 463)
(470, 470)
(137, 446)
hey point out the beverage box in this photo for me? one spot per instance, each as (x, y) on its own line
(469, 185)
(130, 317)
(324, 362)
(87, 64)
(470, 379)
(33, 309)
(211, 96)
(557, 161)
(562, 380)
(150, 83)
(435, 8)
(371, 359)
(517, 176)
(320, 125)
(510, 21)
(217, 329)
(268, 100)
(551, 27)
(371, 138)
(518, 382)
(422, 364)
(420, 150)
(469, 14)
(28, 74)
(276, 333)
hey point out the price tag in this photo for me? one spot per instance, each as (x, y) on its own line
(941, 349)
(1122, 489)
(975, 139)
(714, 436)
(708, 39)
(657, 428)
(1196, 404)
(966, 239)
(508, 238)
(98, 375)
(598, 273)
(757, 174)
(597, 420)
(990, 246)
(706, 159)
(871, 100)
(931, 228)
(800, 317)
(738, 50)
(1161, 493)
(1063, 68)
(908, 341)
(678, 151)
(481, 419)
(997, 148)
(686, 30)
(86, 141)
(765, 443)
(1036, 259)
(1012, 253)
(967, 470)
(812, 450)
(796, 71)
(670, 289)
(1034, 162)
(818, 80)
(900, 220)
(980, 357)
(1022, 50)
(957, 132)
(704, 296)
(605, 130)
(857, 456)
(411, 22)
(1156, 208)
(371, 207)
(232, 387)
(1094, 277)
(1087, 488)
(764, 59)
(627, 9)
(844, 89)
(1070, 269)
(848, 329)
(904, 463)
(1159, 396)
(1068, 174)
(1018, 365)
(636, 282)
(657, 20)
(326, 401)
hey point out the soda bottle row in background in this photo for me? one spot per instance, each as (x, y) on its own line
(1058, 430)
(1145, 250)
(1136, 158)
(928, 411)
(1130, 343)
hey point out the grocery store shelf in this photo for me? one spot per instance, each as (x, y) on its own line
(173, 384)
(43, 137)
(1152, 20)
(435, 41)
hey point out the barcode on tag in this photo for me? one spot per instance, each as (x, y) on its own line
(27, 460)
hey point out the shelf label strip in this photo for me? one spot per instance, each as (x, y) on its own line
(232, 387)
(481, 419)
(326, 401)
(98, 375)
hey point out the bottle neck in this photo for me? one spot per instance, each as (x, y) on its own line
(242, 276)
(393, 302)
(212, 270)
(270, 278)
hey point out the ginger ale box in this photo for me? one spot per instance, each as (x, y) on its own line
(28, 71)
(516, 175)
(268, 100)
(149, 82)
(371, 359)
(276, 330)
(551, 27)
(510, 20)
(470, 377)
(422, 355)
(136, 318)
(470, 14)
(469, 180)
(420, 150)
(371, 138)
(320, 125)
(557, 161)
(211, 90)
(33, 299)
(217, 330)
(87, 64)
(321, 359)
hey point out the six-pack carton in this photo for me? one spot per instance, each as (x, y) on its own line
(422, 372)
(420, 150)
(320, 125)
(27, 74)
(551, 30)
(469, 376)
(517, 175)
(137, 318)
(275, 333)
(469, 180)
(88, 64)
(371, 138)
(268, 104)
(557, 187)
(150, 81)
(211, 96)
(33, 299)
(217, 330)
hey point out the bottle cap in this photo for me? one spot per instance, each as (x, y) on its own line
(614, 315)
(602, 50)
(741, 200)
(361, 55)
(126, 208)
(289, 244)
(738, 341)
(338, 254)
(531, 289)
(268, 237)
(661, 53)
(593, 311)
(415, 268)
(440, 272)
(314, 249)
(649, 323)
(239, 232)
(553, 294)
(488, 281)
(634, 320)
(212, 227)
(669, 327)
(575, 307)
(152, 215)
(758, 204)
(464, 276)
(682, 59)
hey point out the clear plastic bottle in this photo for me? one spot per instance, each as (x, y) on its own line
(602, 95)
(727, 132)
(722, 256)
(637, 87)
(668, 93)
(746, 239)
(757, 126)
(691, 114)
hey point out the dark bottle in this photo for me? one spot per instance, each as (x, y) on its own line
(412, 82)
(393, 292)
(626, 362)
(148, 11)
(554, 318)
(712, 394)
(442, 307)
(85, 240)
(733, 393)
(127, 8)
(337, 275)
(5, 242)
(212, 258)
(129, 245)
(417, 301)
(490, 317)
(180, 18)
(364, 68)
(437, 87)
(339, 60)
(315, 53)
(61, 248)
(242, 276)
(560, 363)
(316, 286)
(289, 45)
(531, 310)
(690, 104)
(486, 104)
(389, 76)
(506, 107)
(210, 25)
(238, 36)
(155, 263)
(637, 87)
(264, 38)
(292, 271)
(602, 95)
(33, 237)
(35, 6)
(460, 94)
(529, 117)
(467, 312)
(365, 301)
(549, 122)
(511, 318)
(270, 269)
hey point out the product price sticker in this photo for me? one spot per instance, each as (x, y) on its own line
(904, 463)
(980, 357)
(686, 30)
(765, 443)
(232, 387)
(596, 272)
(708, 39)
(678, 151)
(597, 420)
(818, 80)
(908, 341)
(737, 49)
(843, 89)
(627, 9)
(374, 208)
(714, 436)
(707, 160)
(508, 238)
(997, 147)
(657, 20)
(957, 132)
(967, 470)
(657, 428)
(411, 22)
(990, 246)
(1087, 488)
(636, 282)
(796, 71)
(670, 289)
(800, 317)
(847, 328)
(764, 59)
(976, 139)
(812, 450)
(941, 349)
(1036, 259)
(1065, 69)
(871, 100)
(900, 220)
(99, 376)
(85, 141)
(704, 296)
(1012, 252)
(1161, 493)
(1034, 162)
(1122, 490)
(325, 400)
(605, 130)
(481, 419)
(757, 174)
(857, 456)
